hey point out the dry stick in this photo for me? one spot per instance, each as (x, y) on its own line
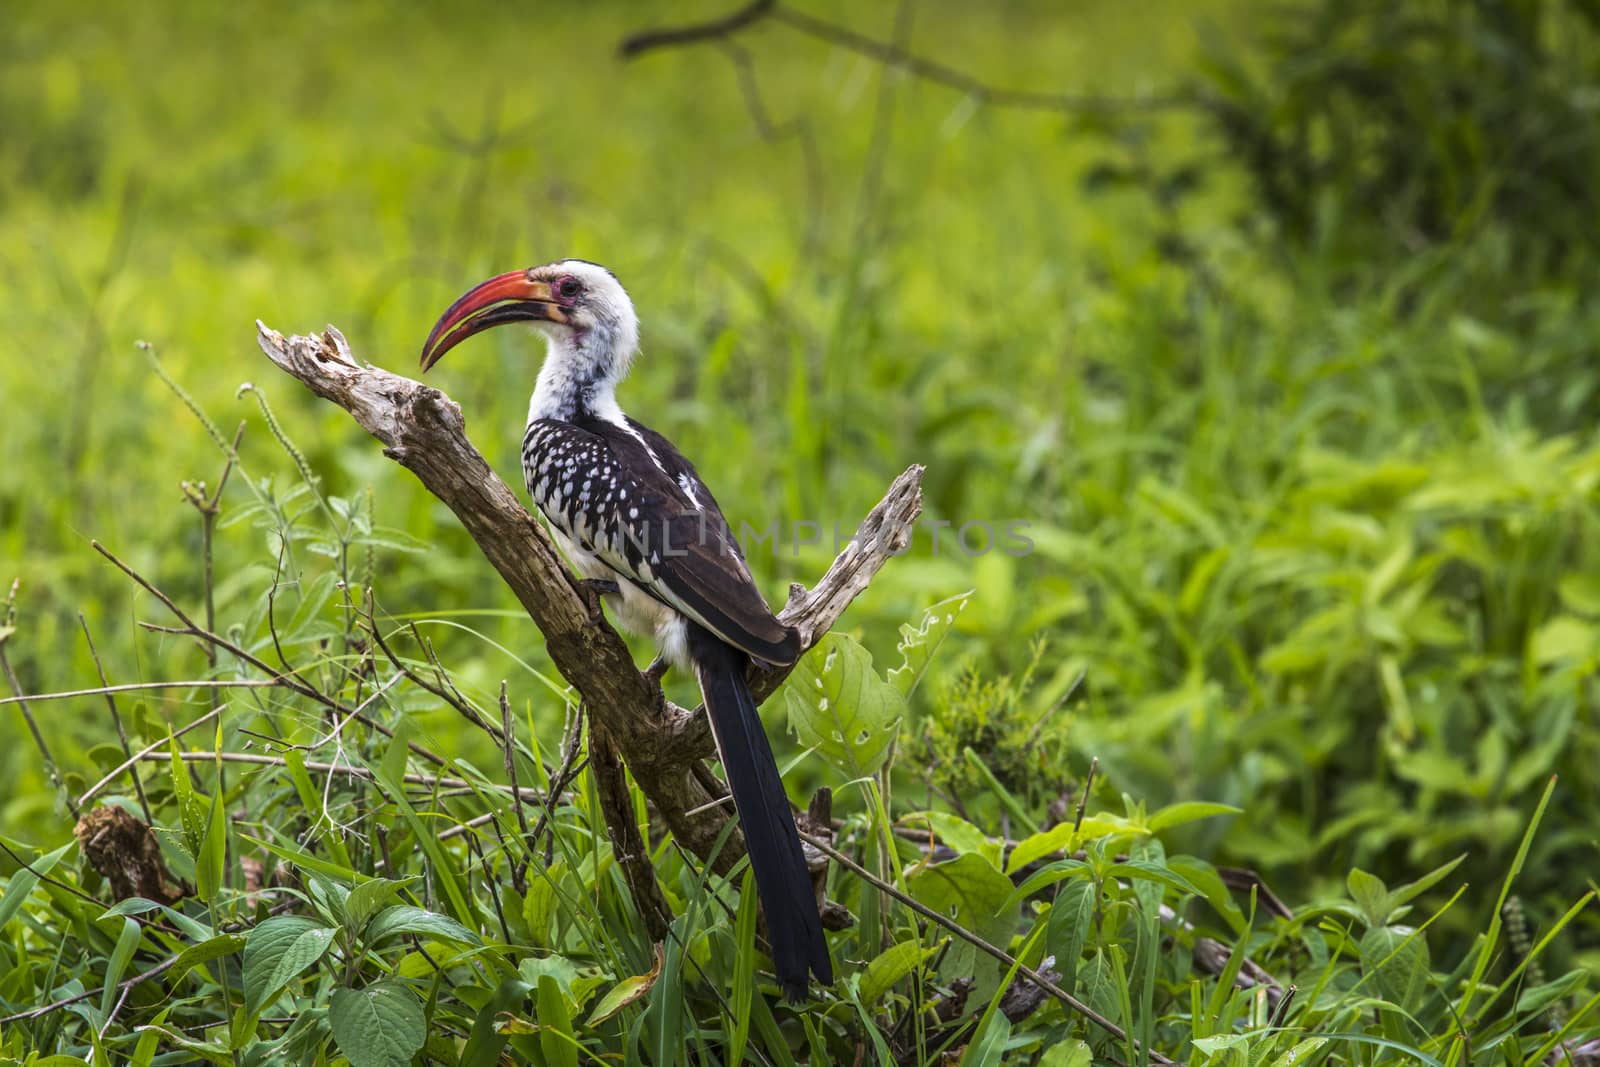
(349, 770)
(424, 431)
(981, 944)
(116, 718)
(134, 687)
(290, 680)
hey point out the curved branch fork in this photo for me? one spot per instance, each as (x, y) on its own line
(423, 430)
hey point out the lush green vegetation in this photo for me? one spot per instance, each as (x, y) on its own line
(1292, 378)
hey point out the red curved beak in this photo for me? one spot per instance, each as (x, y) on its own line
(510, 297)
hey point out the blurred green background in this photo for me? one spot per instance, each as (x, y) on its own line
(1306, 446)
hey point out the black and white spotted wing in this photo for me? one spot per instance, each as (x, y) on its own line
(623, 493)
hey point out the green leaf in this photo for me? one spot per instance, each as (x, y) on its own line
(127, 941)
(191, 811)
(365, 900)
(1300, 1053)
(406, 919)
(1405, 893)
(1397, 959)
(1146, 870)
(210, 861)
(556, 1039)
(1037, 846)
(918, 645)
(891, 965)
(1188, 811)
(959, 834)
(1564, 637)
(276, 951)
(972, 891)
(23, 883)
(1068, 927)
(841, 708)
(743, 1000)
(1370, 895)
(1072, 1053)
(380, 1025)
(204, 952)
(988, 1048)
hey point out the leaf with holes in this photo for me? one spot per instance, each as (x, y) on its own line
(841, 708)
(918, 644)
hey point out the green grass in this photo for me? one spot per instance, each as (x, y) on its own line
(1313, 538)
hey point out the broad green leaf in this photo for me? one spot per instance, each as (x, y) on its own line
(841, 708)
(629, 990)
(1068, 927)
(959, 834)
(891, 965)
(1188, 811)
(23, 883)
(1581, 592)
(1397, 959)
(1039, 845)
(380, 1025)
(1564, 637)
(972, 891)
(1370, 895)
(276, 951)
(918, 644)
(365, 900)
(1071, 1053)
(406, 919)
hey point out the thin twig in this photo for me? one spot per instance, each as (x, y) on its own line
(639, 43)
(67, 1002)
(896, 56)
(289, 680)
(346, 769)
(116, 718)
(511, 776)
(21, 700)
(145, 752)
(980, 943)
(133, 687)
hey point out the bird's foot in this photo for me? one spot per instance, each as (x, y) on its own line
(657, 670)
(591, 590)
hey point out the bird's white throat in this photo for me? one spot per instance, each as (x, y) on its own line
(579, 375)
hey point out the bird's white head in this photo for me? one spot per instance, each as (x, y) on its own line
(584, 313)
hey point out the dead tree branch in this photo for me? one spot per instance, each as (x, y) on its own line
(423, 430)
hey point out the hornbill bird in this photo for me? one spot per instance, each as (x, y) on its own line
(644, 531)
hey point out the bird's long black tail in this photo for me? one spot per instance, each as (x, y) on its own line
(782, 882)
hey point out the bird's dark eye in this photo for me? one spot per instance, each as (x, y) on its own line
(568, 287)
